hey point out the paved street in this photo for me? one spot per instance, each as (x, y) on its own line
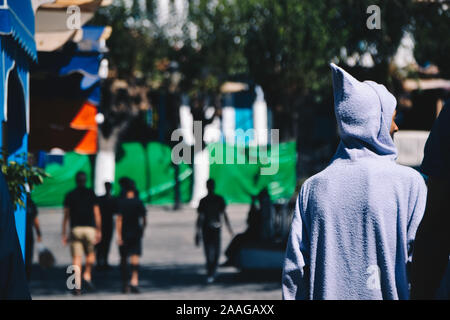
(172, 267)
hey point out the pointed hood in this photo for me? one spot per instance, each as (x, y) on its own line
(364, 113)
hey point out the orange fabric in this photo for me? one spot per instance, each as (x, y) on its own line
(88, 145)
(85, 118)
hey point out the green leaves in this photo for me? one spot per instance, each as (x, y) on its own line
(18, 175)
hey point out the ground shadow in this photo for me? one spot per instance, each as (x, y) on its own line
(153, 277)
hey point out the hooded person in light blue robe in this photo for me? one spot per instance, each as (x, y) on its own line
(355, 222)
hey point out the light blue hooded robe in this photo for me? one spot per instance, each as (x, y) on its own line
(355, 222)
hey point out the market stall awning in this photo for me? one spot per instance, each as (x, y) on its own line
(17, 21)
(84, 58)
(66, 93)
(51, 22)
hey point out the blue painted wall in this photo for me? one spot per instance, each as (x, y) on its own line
(14, 98)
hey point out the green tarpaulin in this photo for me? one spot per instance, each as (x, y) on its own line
(51, 193)
(237, 182)
(151, 168)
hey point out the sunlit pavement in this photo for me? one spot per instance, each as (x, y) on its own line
(172, 267)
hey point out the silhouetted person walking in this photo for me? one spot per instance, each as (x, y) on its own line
(81, 209)
(251, 235)
(211, 209)
(108, 207)
(130, 226)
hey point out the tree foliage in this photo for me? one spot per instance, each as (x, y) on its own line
(431, 32)
(283, 45)
(19, 175)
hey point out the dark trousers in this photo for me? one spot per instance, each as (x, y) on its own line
(103, 247)
(128, 248)
(211, 245)
(124, 272)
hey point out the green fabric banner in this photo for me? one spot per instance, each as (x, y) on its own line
(238, 181)
(62, 180)
(153, 172)
(151, 168)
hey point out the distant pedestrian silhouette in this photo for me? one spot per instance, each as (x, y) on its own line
(108, 207)
(211, 210)
(82, 211)
(130, 225)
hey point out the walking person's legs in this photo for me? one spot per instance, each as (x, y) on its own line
(100, 256)
(134, 259)
(89, 247)
(77, 251)
(124, 272)
(208, 249)
(102, 249)
(124, 268)
(211, 240)
(87, 274)
(210, 259)
(86, 237)
(90, 260)
(215, 251)
(107, 245)
(77, 261)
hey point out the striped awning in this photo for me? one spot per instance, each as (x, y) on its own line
(17, 21)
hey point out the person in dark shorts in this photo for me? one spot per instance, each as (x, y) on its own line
(32, 223)
(211, 210)
(130, 225)
(430, 269)
(81, 209)
(108, 207)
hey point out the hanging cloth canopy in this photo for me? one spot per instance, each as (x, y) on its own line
(17, 21)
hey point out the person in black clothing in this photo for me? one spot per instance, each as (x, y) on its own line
(13, 283)
(198, 109)
(252, 234)
(108, 206)
(31, 223)
(130, 225)
(210, 210)
(81, 209)
(430, 265)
